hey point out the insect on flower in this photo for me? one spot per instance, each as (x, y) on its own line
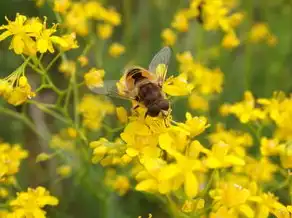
(143, 87)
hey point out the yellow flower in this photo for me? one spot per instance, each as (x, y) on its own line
(22, 41)
(66, 42)
(94, 78)
(221, 157)
(193, 205)
(61, 6)
(259, 32)
(72, 133)
(180, 22)
(286, 157)
(270, 147)
(10, 158)
(168, 36)
(215, 16)
(198, 102)
(83, 60)
(104, 31)
(64, 170)
(177, 86)
(223, 212)
(194, 125)
(238, 141)
(30, 203)
(262, 170)
(3, 193)
(121, 185)
(100, 148)
(67, 67)
(122, 114)
(230, 40)
(76, 19)
(231, 195)
(236, 18)
(272, 40)
(245, 110)
(20, 93)
(116, 49)
(93, 110)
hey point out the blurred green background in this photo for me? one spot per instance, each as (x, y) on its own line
(259, 68)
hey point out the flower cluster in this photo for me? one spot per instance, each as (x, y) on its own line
(31, 203)
(205, 81)
(10, 158)
(214, 15)
(30, 36)
(93, 110)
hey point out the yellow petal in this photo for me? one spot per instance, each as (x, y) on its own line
(5, 35)
(233, 160)
(168, 172)
(191, 185)
(146, 185)
(165, 141)
(60, 41)
(246, 210)
(17, 44)
(132, 152)
(42, 45)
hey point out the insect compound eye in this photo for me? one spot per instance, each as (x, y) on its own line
(153, 111)
(164, 105)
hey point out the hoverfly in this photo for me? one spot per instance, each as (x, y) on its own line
(143, 86)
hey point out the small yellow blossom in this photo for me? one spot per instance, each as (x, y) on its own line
(93, 110)
(180, 22)
(234, 196)
(61, 6)
(261, 170)
(259, 32)
(94, 78)
(104, 31)
(230, 40)
(198, 102)
(121, 185)
(270, 147)
(194, 125)
(286, 157)
(83, 60)
(76, 19)
(64, 170)
(68, 67)
(3, 193)
(245, 110)
(116, 49)
(10, 158)
(31, 203)
(168, 36)
(272, 40)
(178, 86)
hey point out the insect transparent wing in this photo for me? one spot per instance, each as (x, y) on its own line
(109, 89)
(159, 64)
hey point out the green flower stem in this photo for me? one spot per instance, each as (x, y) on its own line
(75, 99)
(45, 72)
(22, 118)
(67, 99)
(50, 112)
(53, 61)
